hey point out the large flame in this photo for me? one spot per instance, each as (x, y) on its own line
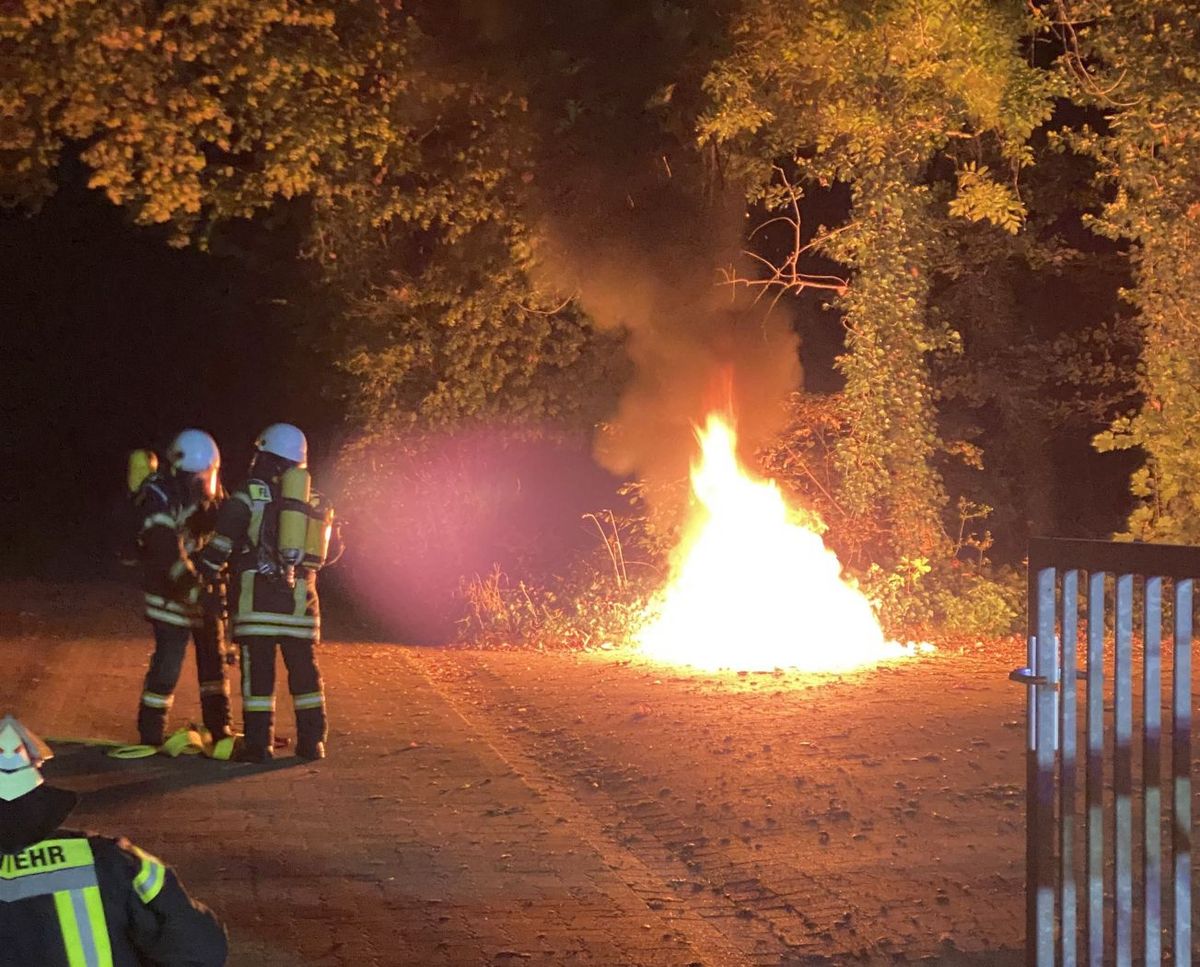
(753, 589)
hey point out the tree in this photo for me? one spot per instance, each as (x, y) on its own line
(912, 105)
(1137, 63)
(194, 114)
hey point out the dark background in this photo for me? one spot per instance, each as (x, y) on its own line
(113, 341)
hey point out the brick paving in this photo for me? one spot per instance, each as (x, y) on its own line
(512, 808)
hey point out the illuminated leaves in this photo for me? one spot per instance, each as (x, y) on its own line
(981, 198)
(1137, 62)
(880, 96)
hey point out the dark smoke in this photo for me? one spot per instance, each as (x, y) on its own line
(646, 259)
(633, 218)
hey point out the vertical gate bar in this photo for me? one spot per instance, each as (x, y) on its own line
(1046, 726)
(1123, 774)
(1031, 785)
(1068, 939)
(1095, 770)
(1181, 770)
(1152, 775)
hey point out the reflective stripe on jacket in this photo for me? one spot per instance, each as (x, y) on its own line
(89, 901)
(261, 602)
(171, 529)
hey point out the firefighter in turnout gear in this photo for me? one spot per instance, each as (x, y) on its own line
(177, 509)
(74, 899)
(274, 533)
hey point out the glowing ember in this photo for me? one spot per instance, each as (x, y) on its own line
(752, 589)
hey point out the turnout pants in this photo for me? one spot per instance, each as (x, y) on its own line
(166, 664)
(258, 690)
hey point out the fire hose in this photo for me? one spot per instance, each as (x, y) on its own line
(193, 740)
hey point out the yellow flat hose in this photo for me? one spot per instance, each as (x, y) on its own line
(132, 752)
(183, 742)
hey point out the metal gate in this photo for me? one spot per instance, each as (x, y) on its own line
(1095, 886)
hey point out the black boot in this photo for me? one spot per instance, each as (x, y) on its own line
(258, 744)
(217, 717)
(310, 733)
(152, 725)
(250, 753)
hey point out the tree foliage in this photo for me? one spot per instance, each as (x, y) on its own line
(1138, 63)
(903, 158)
(895, 100)
(191, 114)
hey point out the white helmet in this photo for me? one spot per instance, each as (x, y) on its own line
(194, 451)
(21, 756)
(284, 440)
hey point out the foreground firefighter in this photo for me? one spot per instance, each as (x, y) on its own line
(274, 532)
(71, 899)
(177, 511)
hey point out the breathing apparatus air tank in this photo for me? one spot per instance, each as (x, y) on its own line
(142, 463)
(320, 532)
(296, 490)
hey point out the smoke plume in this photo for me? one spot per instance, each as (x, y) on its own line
(643, 253)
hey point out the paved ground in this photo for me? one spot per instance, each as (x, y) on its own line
(510, 807)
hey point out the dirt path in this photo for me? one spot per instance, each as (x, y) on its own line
(504, 808)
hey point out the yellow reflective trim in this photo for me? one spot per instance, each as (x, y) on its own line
(49, 854)
(179, 607)
(95, 909)
(246, 598)
(83, 926)
(275, 631)
(254, 530)
(274, 618)
(69, 928)
(259, 491)
(300, 598)
(174, 620)
(151, 877)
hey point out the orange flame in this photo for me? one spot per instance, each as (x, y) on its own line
(751, 588)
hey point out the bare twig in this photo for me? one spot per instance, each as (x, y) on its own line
(787, 277)
(616, 556)
(1075, 61)
(549, 312)
(811, 476)
(612, 521)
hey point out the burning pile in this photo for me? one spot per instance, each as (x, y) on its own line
(751, 587)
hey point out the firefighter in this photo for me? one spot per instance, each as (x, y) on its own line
(177, 510)
(69, 899)
(273, 595)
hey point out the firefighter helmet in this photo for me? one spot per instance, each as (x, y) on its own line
(21, 756)
(284, 440)
(194, 451)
